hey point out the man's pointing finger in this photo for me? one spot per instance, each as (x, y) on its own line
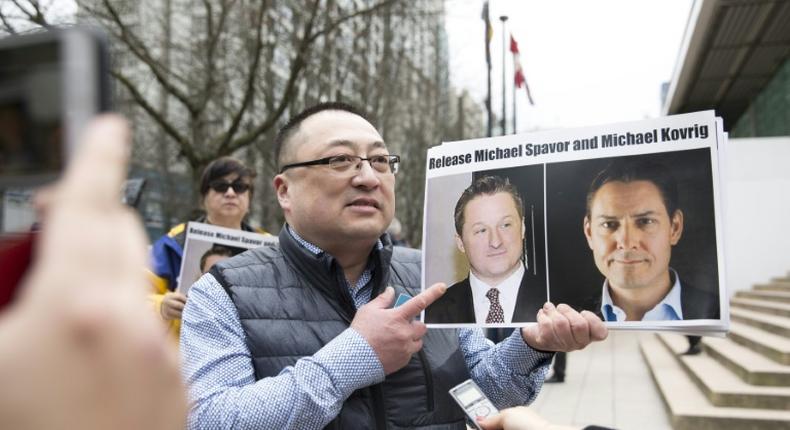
(416, 304)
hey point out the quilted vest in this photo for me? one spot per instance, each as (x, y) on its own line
(291, 303)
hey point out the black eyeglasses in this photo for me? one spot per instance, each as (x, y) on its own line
(221, 186)
(343, 163)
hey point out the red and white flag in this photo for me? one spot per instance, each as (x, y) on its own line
(519, 77)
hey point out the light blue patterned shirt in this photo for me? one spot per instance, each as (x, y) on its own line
(668, 309)
(224, 394)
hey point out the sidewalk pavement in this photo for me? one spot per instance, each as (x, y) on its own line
(608, 384)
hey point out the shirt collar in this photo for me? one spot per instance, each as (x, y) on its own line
(313, 248)
(668, 309)
(364, 278)
(508, 293)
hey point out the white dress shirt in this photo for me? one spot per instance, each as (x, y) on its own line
(508, 293)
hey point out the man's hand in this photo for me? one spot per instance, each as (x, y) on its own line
(561, 328)
(80, 348)
(173, 305)
(394, 333)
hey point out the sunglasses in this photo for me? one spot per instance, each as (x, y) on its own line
(222, 186)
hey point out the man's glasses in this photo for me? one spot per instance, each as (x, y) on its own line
(221, 186)
(344, 163)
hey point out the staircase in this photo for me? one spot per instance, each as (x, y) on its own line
(738, 382)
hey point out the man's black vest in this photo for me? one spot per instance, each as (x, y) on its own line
(291, 303)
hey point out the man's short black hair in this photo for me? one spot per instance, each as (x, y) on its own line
(222, 167)
(220, 250)
(629, 170)
(488, 186)
(292, 126)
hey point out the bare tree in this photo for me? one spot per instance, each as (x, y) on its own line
(201, 79)
(214, 92)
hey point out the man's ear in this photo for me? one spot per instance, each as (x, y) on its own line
(523, 229)
(676, 226)
(459, 243)
(280, 183)
(588, 231)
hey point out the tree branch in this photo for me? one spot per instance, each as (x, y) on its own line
(297, 65)
(183, 142)
(213, 39)
(252, 75)
(334, 24)
(36, 16)
(141, 52)
(6, 24)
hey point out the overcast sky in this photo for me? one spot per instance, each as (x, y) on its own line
(586, 62)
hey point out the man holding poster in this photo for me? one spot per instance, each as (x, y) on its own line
(305, 335)
(633, 220)
(489, 225)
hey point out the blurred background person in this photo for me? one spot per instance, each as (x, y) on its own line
(226, 189)
(214, 255)
(395, 230)
(557, 372)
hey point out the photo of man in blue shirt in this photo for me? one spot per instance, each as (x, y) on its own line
(632, 222)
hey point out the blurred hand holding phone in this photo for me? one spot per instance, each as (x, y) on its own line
(79, 347)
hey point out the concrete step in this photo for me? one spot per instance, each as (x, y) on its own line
(775, 296)
(771, 323)
(774, 285)
(775, 347)
(769, 307)
(723, 387)
(752, 367)
(690, 408)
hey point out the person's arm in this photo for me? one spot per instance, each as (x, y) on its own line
(509, 373)
(223, 391)
(512, 372)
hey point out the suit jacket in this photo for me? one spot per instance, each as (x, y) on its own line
(456, 306)
(697, 304)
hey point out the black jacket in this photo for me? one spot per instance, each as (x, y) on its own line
(457, 305)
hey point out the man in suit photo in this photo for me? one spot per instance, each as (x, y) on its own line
(633, 220)
(489, 225)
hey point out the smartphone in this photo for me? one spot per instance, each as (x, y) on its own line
(51, 84)
(473, 401)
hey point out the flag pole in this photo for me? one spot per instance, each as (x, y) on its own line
(515, 128)
(503, 18)
(488, 31)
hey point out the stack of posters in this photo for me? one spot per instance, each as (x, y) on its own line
(206, 245)
(622, 220)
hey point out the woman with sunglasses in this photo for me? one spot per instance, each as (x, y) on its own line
(225, 190)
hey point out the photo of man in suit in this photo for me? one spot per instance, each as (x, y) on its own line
(489, 225)
(632, 222)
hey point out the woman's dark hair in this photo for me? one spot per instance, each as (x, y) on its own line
(222, 167)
